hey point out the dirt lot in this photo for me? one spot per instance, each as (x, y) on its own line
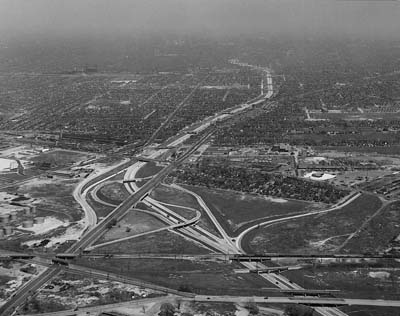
(312, 234)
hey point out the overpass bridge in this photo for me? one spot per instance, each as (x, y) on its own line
(147, 159)
(15, 256)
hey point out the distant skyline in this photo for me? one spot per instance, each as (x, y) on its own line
(374, 19)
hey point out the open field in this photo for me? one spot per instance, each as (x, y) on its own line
(314, 233)
(237, 211)
(198, 277)
(161, 242)
(68, 291)
(135, 222)
(218, 309)
(100, 209)
(389, 150)
(370, 310)
(357, 178)
(59, 157)
(149, 169)
(379, 234)
(173, 196)
(353, 281)
(113, 192)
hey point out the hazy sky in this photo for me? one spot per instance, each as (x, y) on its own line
(360, 17)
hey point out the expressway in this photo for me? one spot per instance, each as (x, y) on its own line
(314, 301)
(27, 290)
(180, 224)
(224, 244)
(97, 231)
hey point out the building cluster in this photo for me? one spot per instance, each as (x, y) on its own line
(226, 176)
(98, 112)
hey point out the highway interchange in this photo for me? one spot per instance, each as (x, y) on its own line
(218, 243)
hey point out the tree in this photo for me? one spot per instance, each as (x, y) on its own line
(185, 288)
(167, 309)
(298, 310)
(252, 307)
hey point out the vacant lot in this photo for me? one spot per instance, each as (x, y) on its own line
(198, 277)
(236, 211)
(161, 242)
(316, 233)
(135, 222)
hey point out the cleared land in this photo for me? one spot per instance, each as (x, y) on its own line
(236, 211)
(198, 277)
(315, 233)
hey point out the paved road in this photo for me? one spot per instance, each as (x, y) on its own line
(296, 300)
(27, 290)
(282, 219)
(180, 224)
(172, 114)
